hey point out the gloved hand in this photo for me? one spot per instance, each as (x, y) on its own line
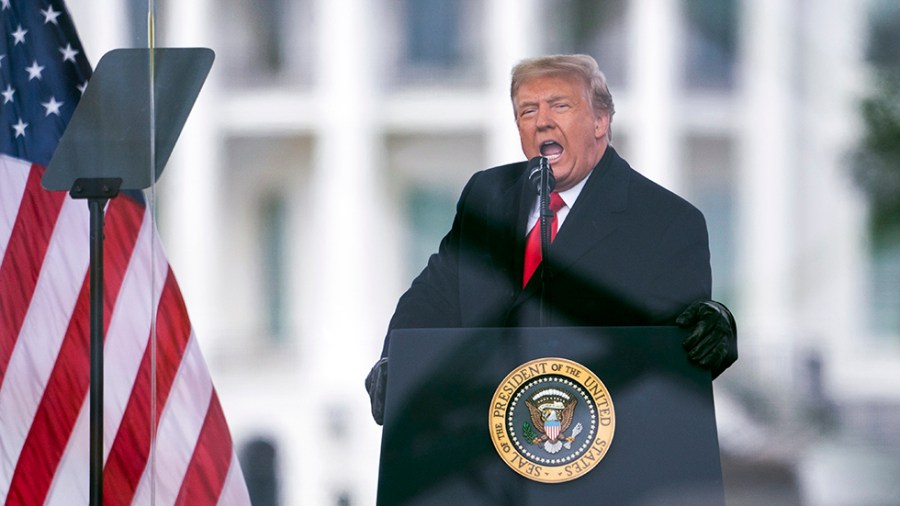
(376, 385)
(712, 343)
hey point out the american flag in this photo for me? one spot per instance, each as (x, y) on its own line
(44, 307)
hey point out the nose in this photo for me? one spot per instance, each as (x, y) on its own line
(544, 119)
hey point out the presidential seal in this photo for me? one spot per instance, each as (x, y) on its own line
(551, 420)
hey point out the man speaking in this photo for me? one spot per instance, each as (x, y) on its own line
(624, 251)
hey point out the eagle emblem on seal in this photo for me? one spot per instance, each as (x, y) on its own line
(551, 411)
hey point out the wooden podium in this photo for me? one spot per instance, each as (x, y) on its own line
(437, 445)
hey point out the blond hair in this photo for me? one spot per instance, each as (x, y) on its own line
(581, 66)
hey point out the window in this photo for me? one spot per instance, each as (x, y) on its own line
(436, 42)
(590, 27)
(430, 210)
(430, 171)
(433, 35)
(884, 283)
(265, 41)
(274, 230)
(711, 47)
(884, 36)
(265, 197)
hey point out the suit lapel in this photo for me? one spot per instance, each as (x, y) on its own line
(524, 195)
(596, 213)
(510, 210)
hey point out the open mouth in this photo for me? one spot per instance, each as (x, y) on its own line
(552, 150)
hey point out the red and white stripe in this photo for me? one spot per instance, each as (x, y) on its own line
(44, 361)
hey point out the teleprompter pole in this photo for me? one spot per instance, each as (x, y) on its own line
(97, 191)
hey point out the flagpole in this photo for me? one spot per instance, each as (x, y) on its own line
(97, 191)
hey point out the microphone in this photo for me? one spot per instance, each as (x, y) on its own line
(541, 176)
(539, 171)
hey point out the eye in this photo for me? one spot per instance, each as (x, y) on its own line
(528, 111)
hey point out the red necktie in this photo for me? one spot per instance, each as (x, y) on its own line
(533, 242)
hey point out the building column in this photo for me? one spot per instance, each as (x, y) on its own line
(189, 215)
(767, 169)
(344, 254)
(653, 78)
(508, 41)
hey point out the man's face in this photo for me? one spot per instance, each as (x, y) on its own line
(555, 120)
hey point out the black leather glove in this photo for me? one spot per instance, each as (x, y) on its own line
(712, 343)
(376, 385)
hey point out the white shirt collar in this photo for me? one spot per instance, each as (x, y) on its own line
(569, 197)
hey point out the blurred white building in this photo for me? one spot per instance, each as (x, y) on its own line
(323, 160)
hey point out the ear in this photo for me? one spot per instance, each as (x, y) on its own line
(601, 125)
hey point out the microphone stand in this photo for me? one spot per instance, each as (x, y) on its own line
(547, 182)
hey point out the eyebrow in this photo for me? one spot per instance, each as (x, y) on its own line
(550, 100)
